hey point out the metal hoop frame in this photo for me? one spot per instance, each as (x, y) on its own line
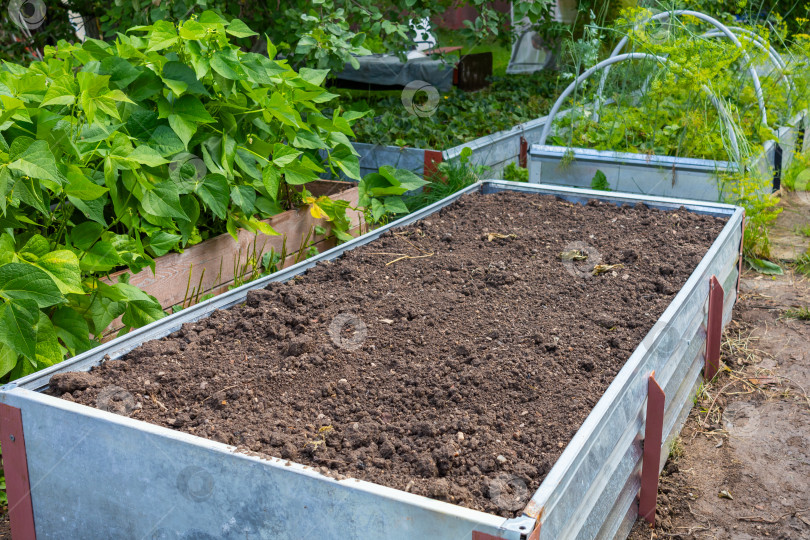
(604, 64)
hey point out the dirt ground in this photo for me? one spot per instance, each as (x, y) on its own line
(787, 244)
(742, 468)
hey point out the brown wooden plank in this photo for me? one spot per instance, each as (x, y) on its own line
(217, 256)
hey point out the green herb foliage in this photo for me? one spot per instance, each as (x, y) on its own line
(600, 181)
(381, 193)
(690, 102)
(450, 177)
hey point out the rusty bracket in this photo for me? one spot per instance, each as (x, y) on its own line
(432, 160)
(15, 466)
(535, 534)
(523, 157)
(476, 535)
(714, 329)
(653, 434)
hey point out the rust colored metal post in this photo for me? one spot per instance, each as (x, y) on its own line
(15, 465)
(484, 536)
(523, 158)
(432, 160)
(653, 433)
(714, 329)
(535, 534)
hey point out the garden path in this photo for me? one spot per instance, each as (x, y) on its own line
(742, 464)
(788, 243)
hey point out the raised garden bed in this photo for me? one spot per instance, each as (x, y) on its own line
(666, 176)
(653, 141)
(498, 124)
(495, 151)
(462, 340)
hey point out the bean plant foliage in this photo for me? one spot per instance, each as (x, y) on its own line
(112, 154)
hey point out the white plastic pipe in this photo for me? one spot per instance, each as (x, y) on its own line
(773, 56)
(756, 37)
(714, 22)
(604, 64)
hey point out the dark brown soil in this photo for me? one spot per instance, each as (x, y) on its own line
(477, 357)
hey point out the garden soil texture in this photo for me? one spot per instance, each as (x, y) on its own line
(454, 358)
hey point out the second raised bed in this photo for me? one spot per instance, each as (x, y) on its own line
(666, 176)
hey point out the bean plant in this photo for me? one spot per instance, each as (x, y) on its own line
(112, 154)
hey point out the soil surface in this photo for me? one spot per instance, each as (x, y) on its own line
(742, 467)
(454, 358)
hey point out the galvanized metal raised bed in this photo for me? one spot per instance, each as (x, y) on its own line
(95, 474)
(495, 151)
(664, 176)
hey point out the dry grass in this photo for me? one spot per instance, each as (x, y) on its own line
(740, 374)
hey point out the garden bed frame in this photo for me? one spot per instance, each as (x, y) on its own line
(76, 469)
(665, 176)
(793, 138)
(495, 151)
